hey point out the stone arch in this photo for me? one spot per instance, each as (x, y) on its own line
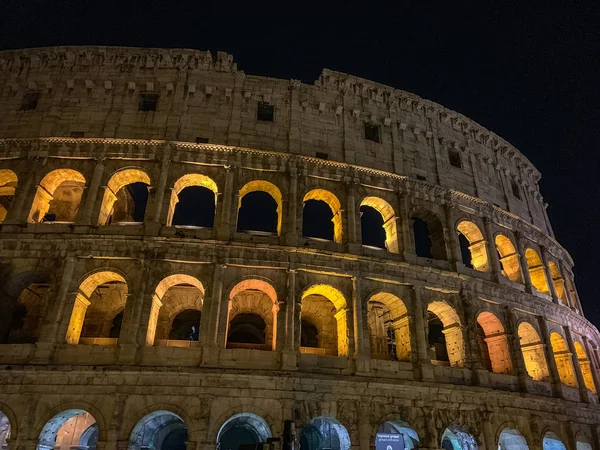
(250, 301)
(118, 181)
(511, 439)
(586, 369)
(388, 327)
(324, 433)
(551, 441)
(537, 271)
(190, 180)
(563, 358)
(582, 442)
(559, 282)
(457, 438)
(159, 430)
(162, 318)
(104, 307)
(325, 308)
(242, 428)
(428, 234)
(334, 204)
(66, 429)
(263, 186)
(8, 184)
(533, 352)
(494, 343)
(451, 328)
(509, 258)
(58, 197)
(477, 246)
(389, 221)
(410, 436)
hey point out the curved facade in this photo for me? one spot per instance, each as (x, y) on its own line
(128, 324)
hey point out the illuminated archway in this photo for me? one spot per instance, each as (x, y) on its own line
(243, 429)
(509, 259)
(186, 181)
(533, 352)
(537, 271)
(262, 186)
(173, 295)
(388, 327)
(511, 439)
(4, 431)
(324, 433)
(73, 428)
(335, 206)
(159, 430)
(477, 246)
(389, 221)
(586, 368)
(409, 435)
(559, 282)
(8, 183)
(58, 197)
(457, 438)
(495, 344)
(451, 339)
(114, 200)
(97, 310)
(564, 361)
(552, 442)
(252, 315)
(325, 308)
(428, 234)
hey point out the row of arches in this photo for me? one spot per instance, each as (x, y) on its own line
(166, 430)
(253, 321)
(193, 203)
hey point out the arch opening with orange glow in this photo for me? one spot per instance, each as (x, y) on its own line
(389, 221)
(388, 327)
(8, 183)
(334, 204)
(559, 283)
(477, 246)
(509, 259)
(445, 336)
(532, 349)
(586, 367)
(260, 186)
(192, 180)
(118, 204)
(563, 359)
(537, 271)
(493, 344)
(58, 197)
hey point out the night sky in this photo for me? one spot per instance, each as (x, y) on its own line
(528, 71)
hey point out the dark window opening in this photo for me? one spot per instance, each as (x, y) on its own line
(317, 220)
(483, 348)
(196, 207)
(239, 437)
(175, 440)
(371, 224)
(391, 343)
(447, 444)
(421, 177)
(77, 134)
(131, 203)
(258, 213)
(14, 334)
(465, 252)
(436, 338)
(247, 328)
(454, 156)
(115, 329)
(147, 102)
(322, 155)
(265, 112)
(201, 140)
(186, 326)
(30, 101)
(422, 238)
(515, 188)
(371, 132)
(309, 335)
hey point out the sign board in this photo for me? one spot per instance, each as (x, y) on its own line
(384, 441)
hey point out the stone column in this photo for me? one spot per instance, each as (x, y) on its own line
(405, 225)
(223, 225)
(583, 391)
(209, 322)
(549, 353)
(593, 362)
(24, 195)
(453, 245)
(353, 244)
(519, 367)
(94, 201)
(360, 355)
(548, 274)
(292, 233)
(519, 240)
(290, 352)
(493, 258)
(424, 368)
(154, 210)
(567, 291)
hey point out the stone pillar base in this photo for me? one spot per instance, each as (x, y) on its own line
(289, 360)
(424, 371)
(482, 377)
(362, 366)
(152, 228)
(210, 356)
(127, 354)
(44, 352)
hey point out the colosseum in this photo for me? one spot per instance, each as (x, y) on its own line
(191, 257)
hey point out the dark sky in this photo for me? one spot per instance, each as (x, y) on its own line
(528, 71)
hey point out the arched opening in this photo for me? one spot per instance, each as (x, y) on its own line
(552, 442)
(533, 352)
(125, 197)
(511, 439)
(242, 430)
(159, 430)
(97, 310)
(388, 327)
(259, 207)
(583, 443)
(559, 283)
(193, 202)
(563, 359)
(586, 369)
(324, 433)
(509, 259)
(428, 234)
(73, 428)
(309, 335)
(537, 271)
(252, 322)
(410, 437)
(324, 308)
(176, 311)
(445, 335)
(8, 184)
(4, 431)
(494, 344)
(377, 226)
(58, 197)
(23, 306)
(475, 254)
(317, 221)
(457, 438)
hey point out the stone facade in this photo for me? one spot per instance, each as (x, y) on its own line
(487, 350)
